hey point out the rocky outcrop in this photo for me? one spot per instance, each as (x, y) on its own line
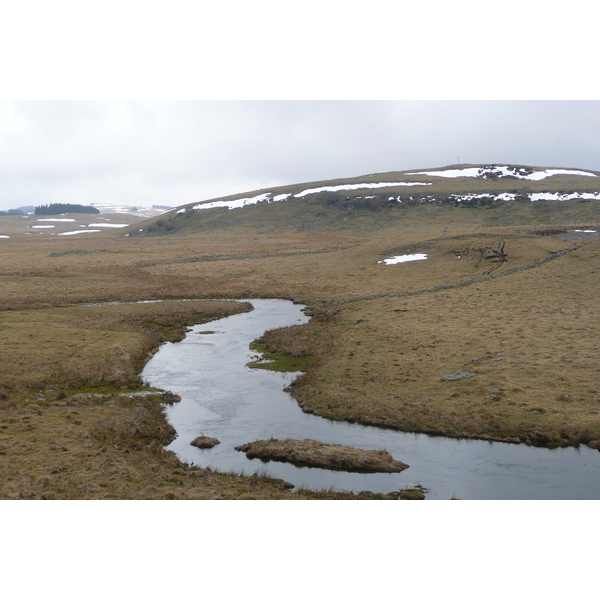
(459, 375)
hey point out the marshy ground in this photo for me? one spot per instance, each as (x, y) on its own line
(374, 352)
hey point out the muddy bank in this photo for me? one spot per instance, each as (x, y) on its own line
(567, 437)
(311, 453)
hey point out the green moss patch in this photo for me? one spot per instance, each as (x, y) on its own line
(277, 361)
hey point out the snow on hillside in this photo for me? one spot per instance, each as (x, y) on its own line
(268, 196)
(144, 212)
(112, 217)
(356, 186)
(558, 196)
(496, 172)
(534, 196)
(238, 203)
(80, 231)
(490, 172)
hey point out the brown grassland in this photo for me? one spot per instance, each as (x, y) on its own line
(73, 427)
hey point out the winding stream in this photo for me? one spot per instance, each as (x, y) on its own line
(221, 397)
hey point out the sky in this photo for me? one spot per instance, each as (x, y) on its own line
(173, 152)
(170, 103)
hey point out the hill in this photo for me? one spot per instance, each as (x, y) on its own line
(336, 204)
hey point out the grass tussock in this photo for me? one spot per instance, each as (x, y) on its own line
(204, 442)
(137, 426)
(311, 453)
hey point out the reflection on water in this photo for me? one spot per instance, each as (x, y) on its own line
(223, 398)
(578, 234)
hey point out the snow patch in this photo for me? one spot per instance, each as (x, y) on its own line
(494, 171)
(108, 225)
(231, 204)
(549, 172)
(268, 197)
(80, 231)
(471, 172)
(43, 226)
(356, 186)
(562, 197)
(534, 197)
(5, 236)
(394, 260)
(144, 212)
(58, 220)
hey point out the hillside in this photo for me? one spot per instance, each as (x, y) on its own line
(337, 203)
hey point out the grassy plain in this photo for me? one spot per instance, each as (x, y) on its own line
(374, 351)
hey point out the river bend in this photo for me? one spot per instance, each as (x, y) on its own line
(221, 397)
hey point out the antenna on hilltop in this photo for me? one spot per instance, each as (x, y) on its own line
(458, 160)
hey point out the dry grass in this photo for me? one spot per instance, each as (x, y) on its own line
(530, 337)
(375, 360)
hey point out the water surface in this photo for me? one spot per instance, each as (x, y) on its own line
(223, 398)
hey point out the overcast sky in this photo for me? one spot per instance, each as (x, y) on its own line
(175, 152)
(276, 86)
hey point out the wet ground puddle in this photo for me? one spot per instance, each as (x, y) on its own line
(221, 397)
